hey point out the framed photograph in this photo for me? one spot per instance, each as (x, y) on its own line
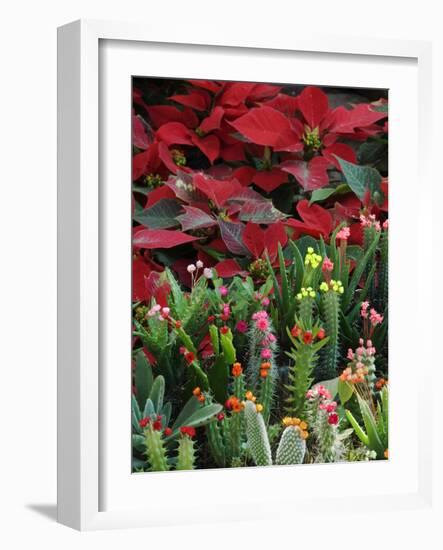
(234, 232)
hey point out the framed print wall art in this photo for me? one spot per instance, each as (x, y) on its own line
(234, 226)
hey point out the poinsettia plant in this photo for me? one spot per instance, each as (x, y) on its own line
(259, 229)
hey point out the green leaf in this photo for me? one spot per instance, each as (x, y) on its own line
(228, 348)
(149, 409)
(299, 266)
(199, 418)
(157, 393)
(371, 428)
(331, 385)
(321, 194)
(283, 277)
(190, 407)
(218, 376)
(358, 431)
(161, 215)
(345, 391)
(360, 178)
(143, 378)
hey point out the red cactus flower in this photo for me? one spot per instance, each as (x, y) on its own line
(307, 337)
(144, 422)
(321, 334)
(333, 419)
(190, 357)
(157, 425)
(188, 430)
(167, 432)
(224, 330)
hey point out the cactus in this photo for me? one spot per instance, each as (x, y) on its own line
(292, 447)
(257, 436)
(216, 443)
(186, 454)
(306, 306)
(236, 428)
(327, 368)
(155, 450)
(266, 394)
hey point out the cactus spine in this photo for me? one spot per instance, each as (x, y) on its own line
(292, 447)
(257, 436)
(186, 454)
(155, 450)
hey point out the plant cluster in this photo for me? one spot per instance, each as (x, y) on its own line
(260, 275)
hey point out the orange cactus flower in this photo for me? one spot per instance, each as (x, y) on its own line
(236, 369)
(263, 373)
(196, 391)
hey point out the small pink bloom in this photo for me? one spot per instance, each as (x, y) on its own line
(344, 233)
(350, 354)
(386, 225)
(330, 408)
(266, 353)
(364, 310)
(223, 291)
(265, 302)
(262, 324)
(207, 272)
(327, 265)
(199, 264)
(375, 317)
(191, 268)
(165, 312)
(271, 338)
(241, 326)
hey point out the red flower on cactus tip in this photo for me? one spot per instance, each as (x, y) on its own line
(157, 425)
(188, 430)
(144, 422)
(307, 337)
(321, 334)
(333, 419)
(167, 432)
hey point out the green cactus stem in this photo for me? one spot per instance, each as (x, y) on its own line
(300, 378)
(291, 448)
(155, 450)
(216, 443)
(186, 453)
(266, 394)
(327, 368)
(236, 429)
(306, 309)
(257, 437)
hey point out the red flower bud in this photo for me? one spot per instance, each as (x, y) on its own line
(157, 425)
(220, 416)
(144, 422)
(190, 357)
(188, 430)
(321, 334)
(167, 432)
(307, 337)
(333, 419)
(224, 330)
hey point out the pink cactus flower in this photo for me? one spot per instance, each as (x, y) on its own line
(241, 326)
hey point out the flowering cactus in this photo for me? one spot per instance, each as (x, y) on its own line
(257, 437)
(186, 452)
(292, 446)
(155, 449)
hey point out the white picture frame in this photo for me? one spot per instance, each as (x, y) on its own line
(83, 262)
